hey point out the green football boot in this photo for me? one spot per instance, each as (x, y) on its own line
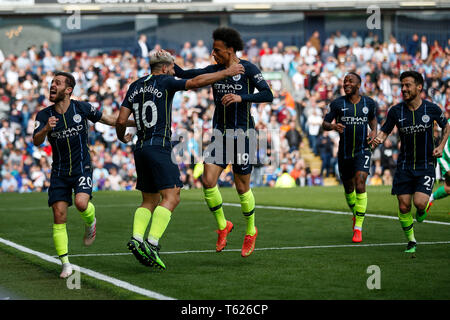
(421, 216)
(134, 246)
(152, 253)
(411, 247)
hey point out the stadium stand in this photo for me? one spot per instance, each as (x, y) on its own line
(313, 70)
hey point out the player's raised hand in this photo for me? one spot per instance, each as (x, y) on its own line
(437, 152)
(128, 137)
(374, 142)
(339, 127)
(51, 123)
(235, 69)
(230, 98)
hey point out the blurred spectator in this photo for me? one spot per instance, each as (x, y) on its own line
(387, 159)
(309, 53)
(325, 148)
(424, 48)
(413, 45)
(186, 51)
(315, 179)
(315, 72)
(293, 137)
(285, 181)
(387, 178)
(200, 50)
(314, 124)
(252, 51)
(375, 179)
(9, 183)
(299, 173)
(114, 179)
(315, 41)
(141, 49)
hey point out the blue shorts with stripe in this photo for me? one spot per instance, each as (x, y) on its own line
(61, 187)
(410, 181)
(349, 167)
(155, 169)
(232, 150)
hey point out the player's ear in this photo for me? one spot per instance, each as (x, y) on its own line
(69, 90)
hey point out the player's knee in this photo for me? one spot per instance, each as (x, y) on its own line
(404, 208)
(242, 188)
(420, 205)
(171, 200)
(207, 182)
(81, 205)
(59, 216)
(360, 187)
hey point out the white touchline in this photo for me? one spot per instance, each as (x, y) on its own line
(238, 205)
(91, 273)
(330, 211)
(265, 249)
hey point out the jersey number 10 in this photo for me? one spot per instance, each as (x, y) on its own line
(138, 116)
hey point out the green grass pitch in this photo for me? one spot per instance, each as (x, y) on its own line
(300, 254)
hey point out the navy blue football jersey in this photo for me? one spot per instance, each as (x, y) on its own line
(416, 133)
(236, 115)
(150, 99)
(69, 138)
(356, 118)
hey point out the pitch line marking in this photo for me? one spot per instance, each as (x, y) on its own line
(329, 211)
(266, 249)
(89, 272)
(257, 206)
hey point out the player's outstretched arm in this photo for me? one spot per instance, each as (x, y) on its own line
(373, 127)
(192, 73)
(121, 125)
(339, 127)
(438, 151)
(209, 78)
(379, 139)
(112, 120)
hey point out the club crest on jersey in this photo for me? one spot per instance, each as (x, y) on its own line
(77, 118)
(365, 110)
(237, 77)
(36, 124)
(425, 118)
(258, 77)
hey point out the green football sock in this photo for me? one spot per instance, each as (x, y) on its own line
(88, 215)
(160, 221)
(141, 219)
(351, 200)
(248, 209)
(440, 193)
(214, 201)
(360, 209)
(406, 221)
(61, 241)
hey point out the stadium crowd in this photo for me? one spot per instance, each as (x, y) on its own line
(316, 71)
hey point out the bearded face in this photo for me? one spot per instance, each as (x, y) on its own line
(58, 89)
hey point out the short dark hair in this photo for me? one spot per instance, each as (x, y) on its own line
(230, 37)
(418, 79)
(356, 75)
(70, 79)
